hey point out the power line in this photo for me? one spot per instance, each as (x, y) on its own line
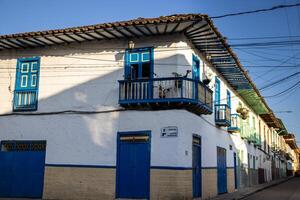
(264, 38)
(270, 43)
(292, 88)
(272, 66)
(267, 58)
(258, 55)
(279, 81)
(283, 111)
(102, 66)
(256, 11)
(66, 112)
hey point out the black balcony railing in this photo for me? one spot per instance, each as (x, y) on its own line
(166, 93)
(222, 114)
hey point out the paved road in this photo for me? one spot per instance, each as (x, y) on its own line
(289, 190)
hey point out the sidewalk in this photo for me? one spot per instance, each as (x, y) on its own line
(245, 192)
(241, 194)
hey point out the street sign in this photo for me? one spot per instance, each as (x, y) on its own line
(169, 131)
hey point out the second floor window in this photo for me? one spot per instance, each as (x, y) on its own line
(139, 63)
(217, 92)
(26, 86)
(196, 68)
(228, 99)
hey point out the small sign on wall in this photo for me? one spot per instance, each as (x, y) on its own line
(169, 131)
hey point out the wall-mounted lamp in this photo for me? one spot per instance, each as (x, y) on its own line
(130, 44)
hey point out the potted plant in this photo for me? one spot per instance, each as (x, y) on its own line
(207, 78)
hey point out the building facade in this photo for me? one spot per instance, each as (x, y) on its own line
(149, 108)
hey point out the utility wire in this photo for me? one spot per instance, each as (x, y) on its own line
(272, 66)
(257, 11)
(107, 67)
(270, 43)
(264, 38)
(292, 88)
(67, 112)
(279, 81)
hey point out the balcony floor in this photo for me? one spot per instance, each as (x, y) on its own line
(166, 104)
(222, 122)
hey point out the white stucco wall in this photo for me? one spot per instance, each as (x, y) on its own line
(83, 77)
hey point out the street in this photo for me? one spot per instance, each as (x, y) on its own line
(288, 190)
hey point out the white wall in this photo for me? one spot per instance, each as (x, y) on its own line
(84, 77)
(91, 139)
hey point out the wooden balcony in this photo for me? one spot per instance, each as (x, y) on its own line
(166, 93)
(235, 123)
(222, 115)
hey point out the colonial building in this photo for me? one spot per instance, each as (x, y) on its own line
(156, 108)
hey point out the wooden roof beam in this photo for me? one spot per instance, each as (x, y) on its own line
(8, 44)
(175, 27)
(15, 43)
(102, 35)
(140, 30)
(92, 36)
(111, 33)
(196, 29)
(50, 40)
(131, 32)
(64, 40)
(26, 43)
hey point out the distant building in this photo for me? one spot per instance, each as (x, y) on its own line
(156, 108)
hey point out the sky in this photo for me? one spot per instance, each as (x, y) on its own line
(283, 24)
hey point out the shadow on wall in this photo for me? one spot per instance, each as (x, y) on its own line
(78, 137)
(74, 138)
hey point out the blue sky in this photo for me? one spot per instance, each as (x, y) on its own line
(33, 15)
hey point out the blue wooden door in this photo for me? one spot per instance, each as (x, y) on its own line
(139, 66)
(197, 167)
(235, 171)
(133, 166)
(22, 174)
(139, 63)
(221, 170)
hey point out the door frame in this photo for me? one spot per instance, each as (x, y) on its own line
(200, 146)
(119, 134)
(235, 170)
(127, 68)
(225, 181)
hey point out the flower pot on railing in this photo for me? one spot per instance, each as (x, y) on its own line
(244, 112)
(206, 81)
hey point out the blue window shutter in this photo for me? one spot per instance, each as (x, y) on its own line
(228, 99)
(196, 68)
(26, 85)
(217, 91)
